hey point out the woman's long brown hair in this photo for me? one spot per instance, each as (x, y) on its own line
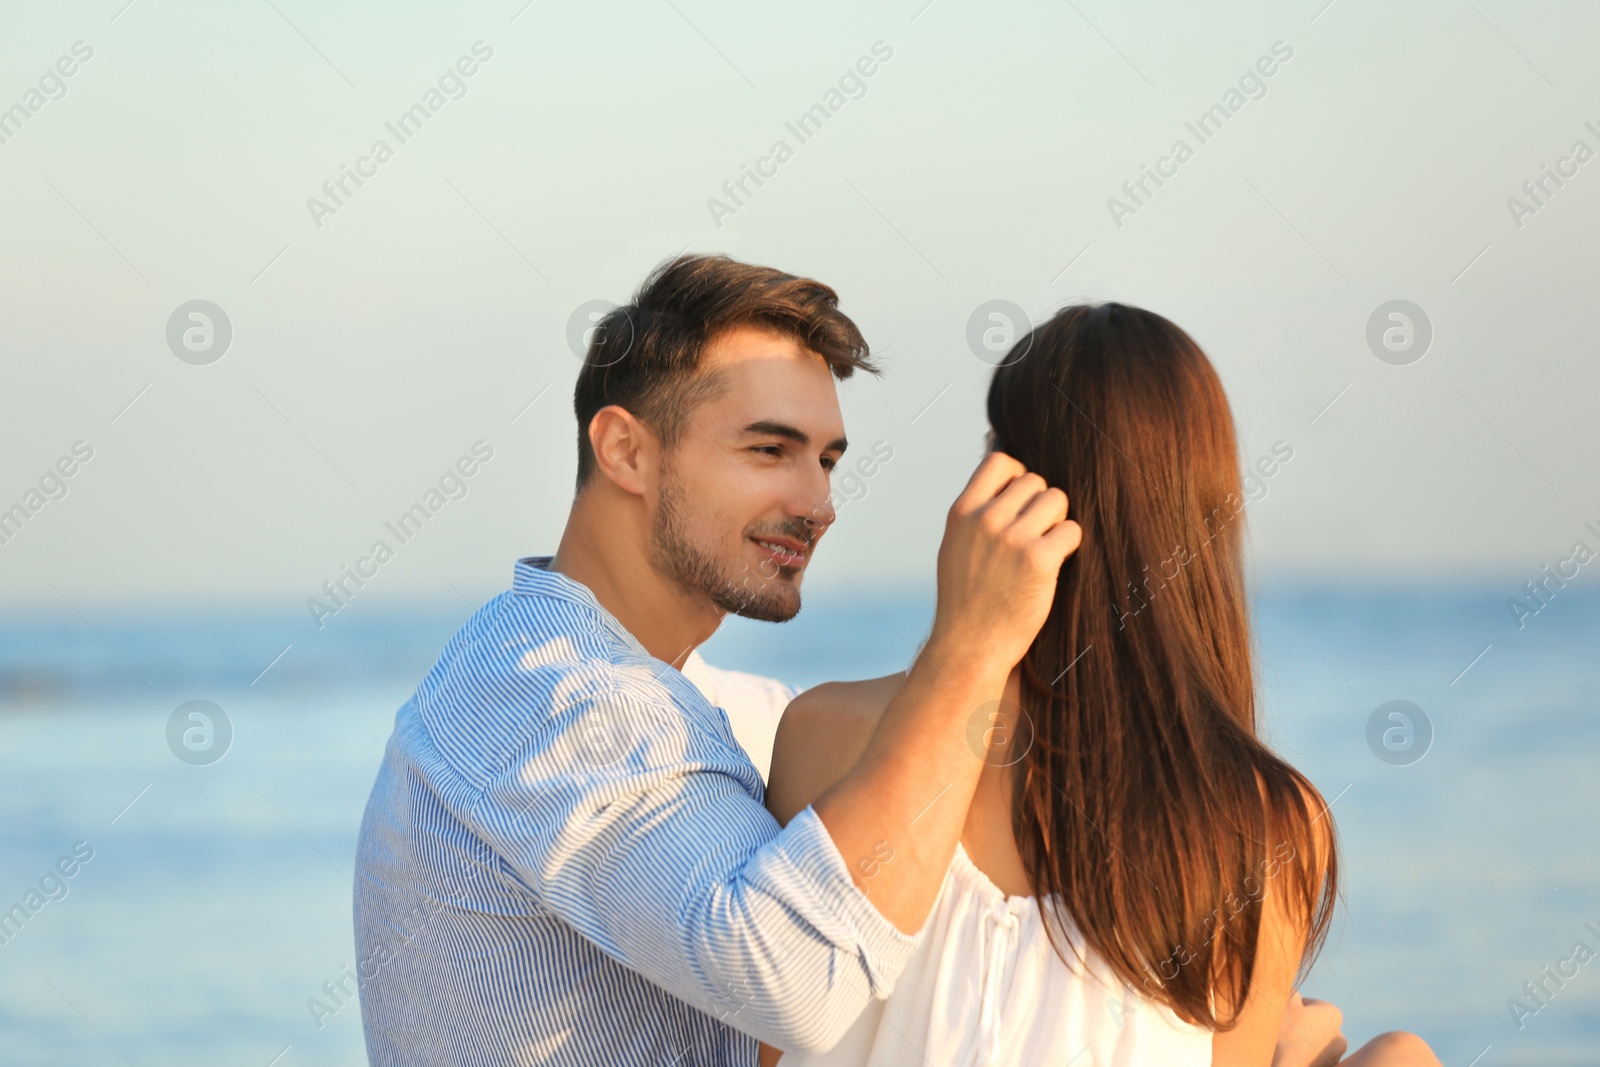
(1147, 805)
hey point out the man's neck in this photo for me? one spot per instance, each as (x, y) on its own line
(605, 547)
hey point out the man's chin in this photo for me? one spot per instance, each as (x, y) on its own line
(778, 601)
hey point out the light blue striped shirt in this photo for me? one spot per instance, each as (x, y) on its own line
(566, 860)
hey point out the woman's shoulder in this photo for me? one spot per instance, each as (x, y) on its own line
(822, 734)
(1299, 813)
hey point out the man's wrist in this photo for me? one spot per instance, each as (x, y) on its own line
(962, 662)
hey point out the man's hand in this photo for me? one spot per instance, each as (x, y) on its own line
(1310, 1034)
(1005, 539)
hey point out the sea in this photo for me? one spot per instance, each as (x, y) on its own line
(208, 906)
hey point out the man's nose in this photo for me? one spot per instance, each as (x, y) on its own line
(818, 512)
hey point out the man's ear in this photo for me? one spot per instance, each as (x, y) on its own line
(626, 451)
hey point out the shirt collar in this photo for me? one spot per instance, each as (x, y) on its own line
(534, 578)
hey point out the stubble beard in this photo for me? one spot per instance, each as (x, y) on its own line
(674, 554)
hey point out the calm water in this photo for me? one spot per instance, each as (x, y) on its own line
(217, 899)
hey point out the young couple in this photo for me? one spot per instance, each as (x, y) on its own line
(1056, 838)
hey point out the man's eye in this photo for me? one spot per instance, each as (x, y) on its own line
(829, 464)
(769, 450)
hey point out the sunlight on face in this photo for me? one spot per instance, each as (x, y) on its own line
(744, 494)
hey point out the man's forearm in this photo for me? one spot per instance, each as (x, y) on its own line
(897, 815)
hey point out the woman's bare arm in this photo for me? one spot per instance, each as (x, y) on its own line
(1254, 1040)
(1276, 1027)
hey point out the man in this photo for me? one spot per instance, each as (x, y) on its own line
(565, 858)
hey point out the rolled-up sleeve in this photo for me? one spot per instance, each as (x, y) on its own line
(628, 816)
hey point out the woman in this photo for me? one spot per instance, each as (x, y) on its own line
(1140, 879)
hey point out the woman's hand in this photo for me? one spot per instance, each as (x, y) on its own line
(1310, 1034)
(1310, 1037)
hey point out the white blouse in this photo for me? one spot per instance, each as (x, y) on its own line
(985, 988)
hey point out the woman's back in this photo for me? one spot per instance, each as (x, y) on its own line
(986, 987)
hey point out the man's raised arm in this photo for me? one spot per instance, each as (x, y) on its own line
(1005, 540)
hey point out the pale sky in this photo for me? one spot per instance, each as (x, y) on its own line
(374, 345)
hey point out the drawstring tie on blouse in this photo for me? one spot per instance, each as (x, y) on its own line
(998, 932)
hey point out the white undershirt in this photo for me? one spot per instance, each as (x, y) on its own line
(752, 703)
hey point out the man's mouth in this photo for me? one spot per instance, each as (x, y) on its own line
(784, 552)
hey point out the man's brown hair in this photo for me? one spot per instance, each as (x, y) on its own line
(645, 356)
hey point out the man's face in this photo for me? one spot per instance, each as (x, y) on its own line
(744, 493)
